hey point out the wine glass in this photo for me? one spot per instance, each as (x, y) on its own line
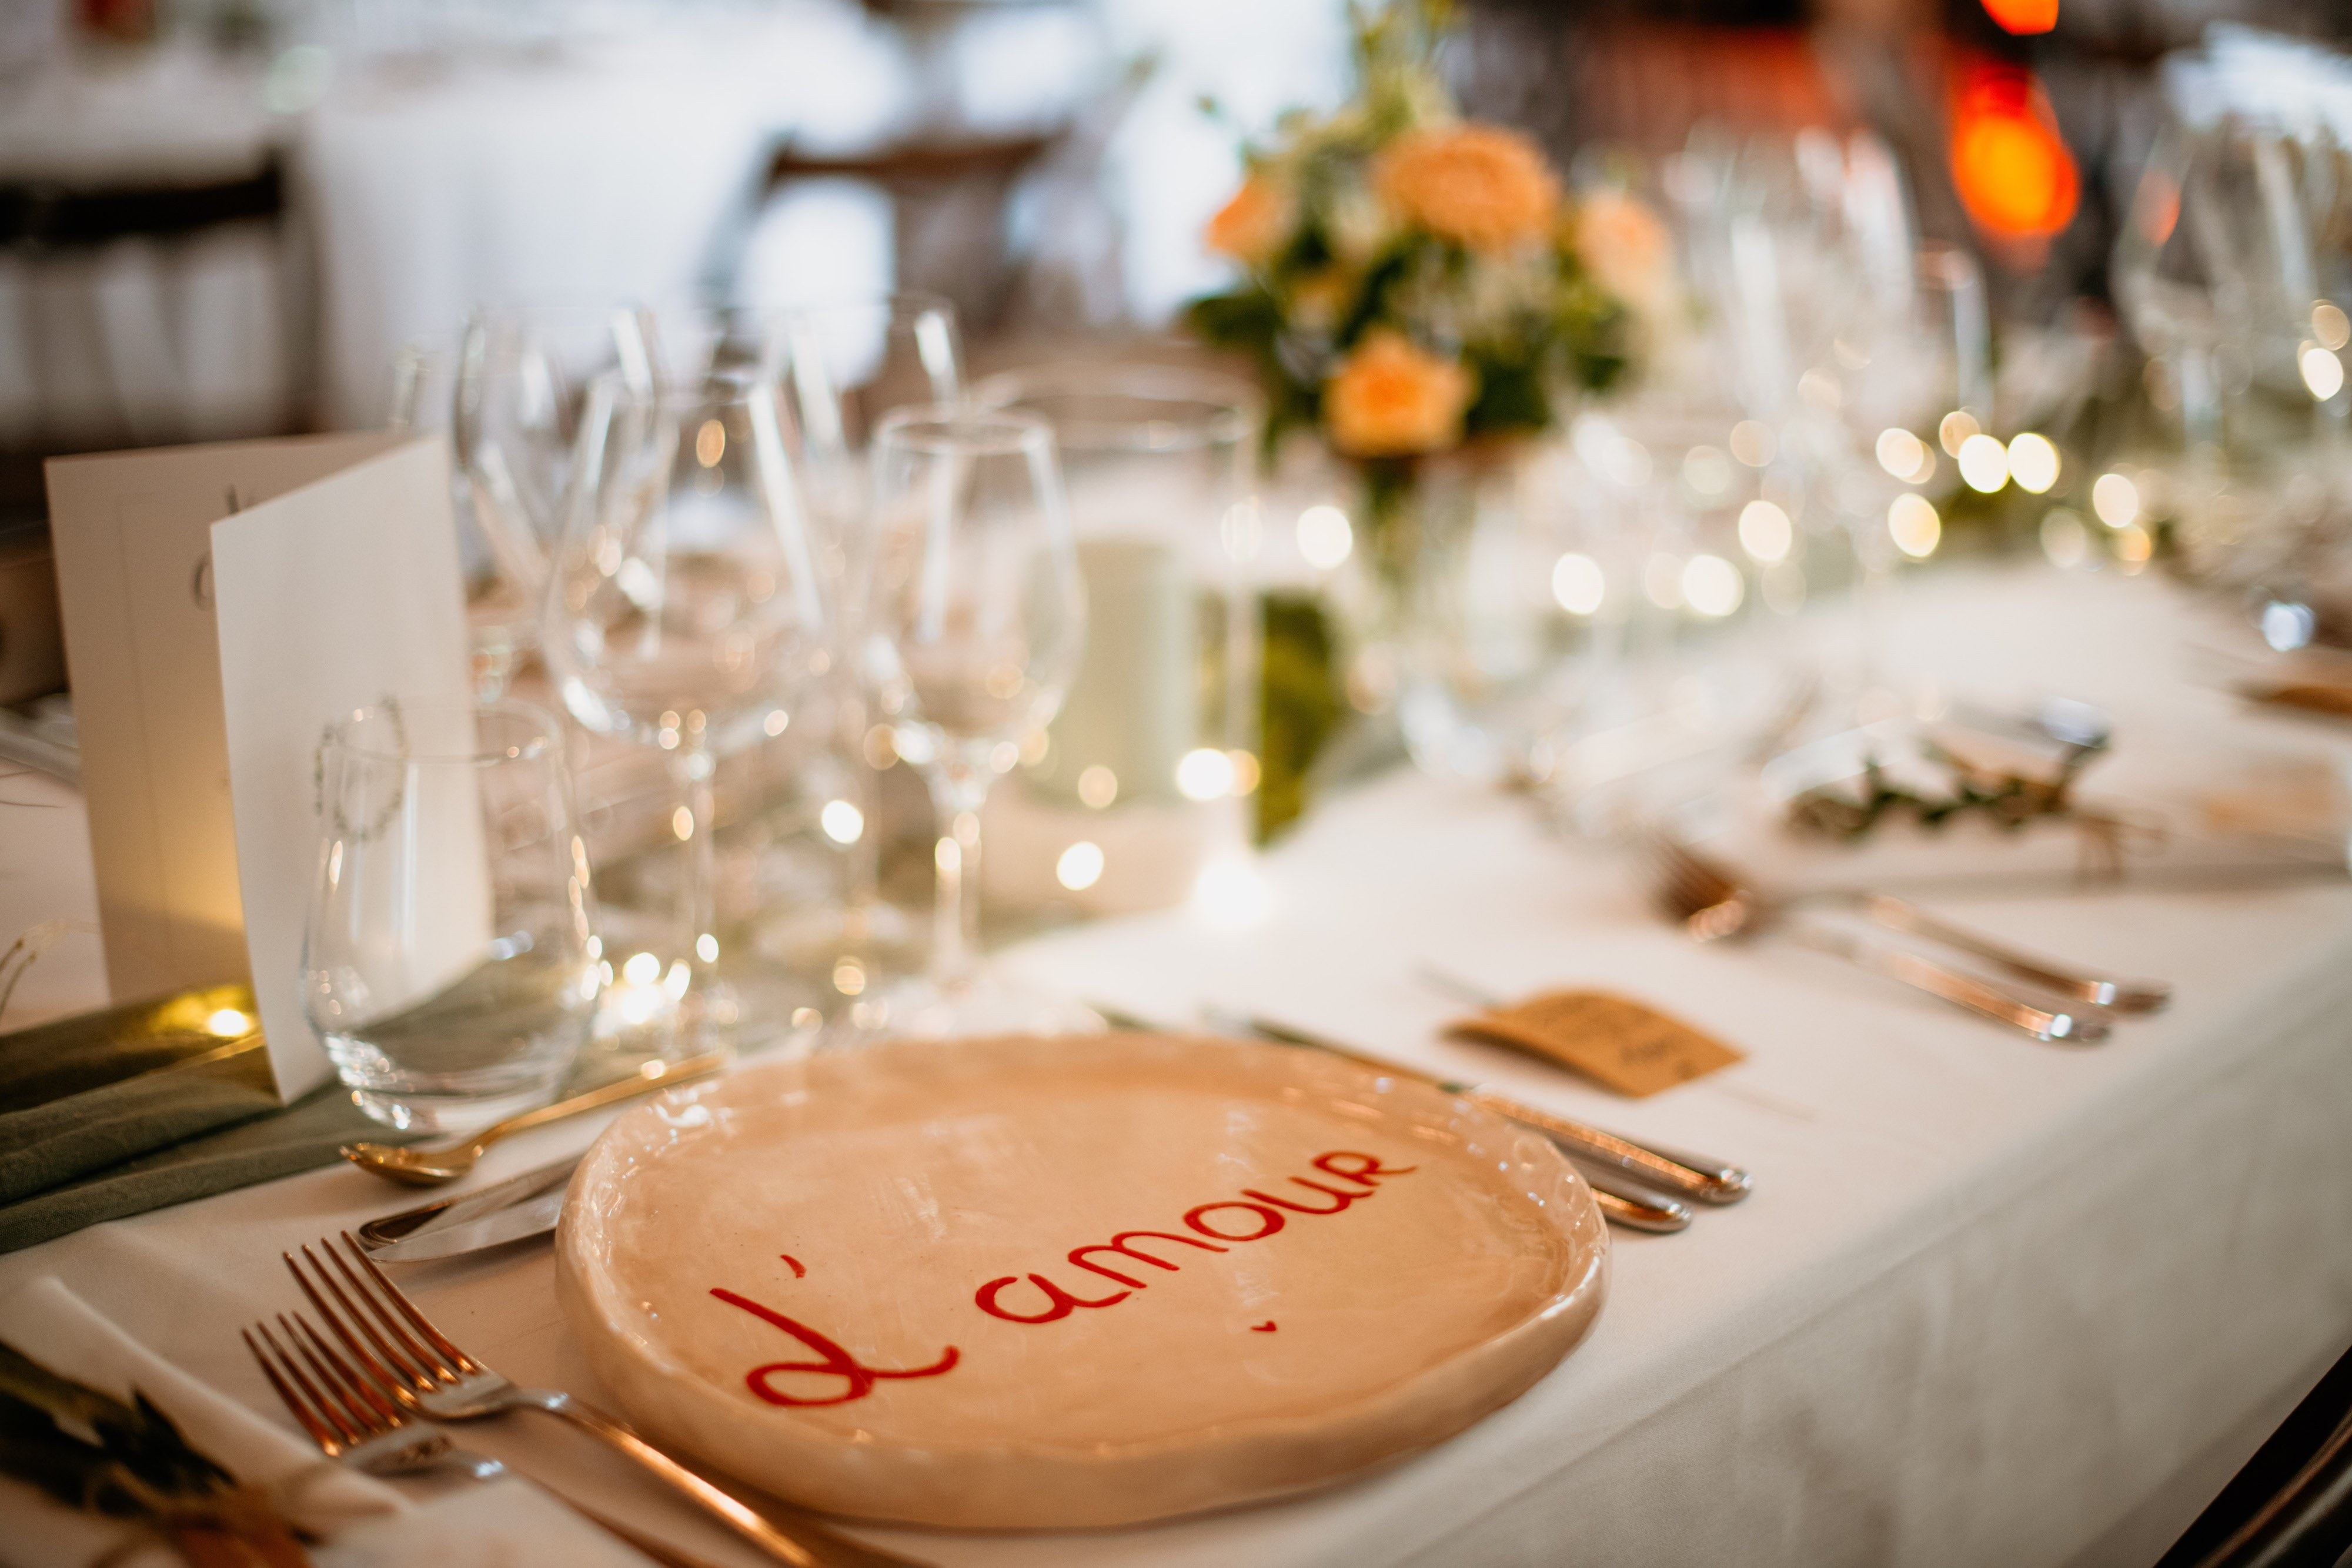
(685, 611)
(1914, 398)
(848, 364)
(974, 626)
(844, 365)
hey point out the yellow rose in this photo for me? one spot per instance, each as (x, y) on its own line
(1388, 398)
(1624, 245)
(1486, 187)
(1255, 225)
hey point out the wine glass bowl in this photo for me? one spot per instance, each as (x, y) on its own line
(684, 595)
(976, 599)
(684, 611)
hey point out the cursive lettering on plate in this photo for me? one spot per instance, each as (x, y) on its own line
(858, 1380)
(1252, 1217)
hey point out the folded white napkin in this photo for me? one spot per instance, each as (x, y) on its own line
(58, 1329)
(500, 1525)
(367, 1523)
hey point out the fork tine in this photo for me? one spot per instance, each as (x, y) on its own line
(352, 1413)
(398, 1372)
(380, 1413)
(438, 1354)
(463, 1362)
(331, 1439)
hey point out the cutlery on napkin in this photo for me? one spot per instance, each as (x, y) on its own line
(362, 1522)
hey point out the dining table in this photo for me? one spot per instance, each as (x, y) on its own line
(1991, 1300)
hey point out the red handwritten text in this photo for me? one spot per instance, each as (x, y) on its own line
(1252, 1217)
(858, 1381)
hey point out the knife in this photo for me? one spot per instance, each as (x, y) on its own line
(510, 1210)
(1655, 1169)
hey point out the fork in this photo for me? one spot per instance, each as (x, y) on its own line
(413, 1362)
(353, 1422)
(1711, 905)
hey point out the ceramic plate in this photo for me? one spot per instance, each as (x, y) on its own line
(1084, 1280)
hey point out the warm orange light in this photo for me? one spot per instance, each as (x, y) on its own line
(2023, 15)
(2011, 167)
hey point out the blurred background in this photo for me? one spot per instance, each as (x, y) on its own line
(222, 218)
(238, 218)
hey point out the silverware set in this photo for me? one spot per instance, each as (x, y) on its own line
(374, 1390)
(1637, 1186)
(2037, 995)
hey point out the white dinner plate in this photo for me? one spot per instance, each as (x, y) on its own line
(1058, 1282)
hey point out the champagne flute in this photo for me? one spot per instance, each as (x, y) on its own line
(974, 627)
(844, 366)
(685, 611)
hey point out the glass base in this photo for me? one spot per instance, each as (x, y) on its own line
(921, 1008)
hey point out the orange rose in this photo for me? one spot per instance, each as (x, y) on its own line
(1254, 225)
(1486, 187)
(1388, 398)
(1624, 245)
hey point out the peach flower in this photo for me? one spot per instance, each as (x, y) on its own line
(1255, 225)
(1485, 186)
(1388, 398)
(1624, 245)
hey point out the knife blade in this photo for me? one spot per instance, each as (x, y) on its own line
(509, 1211)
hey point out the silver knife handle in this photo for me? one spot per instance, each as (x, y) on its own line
(2123, 995)
(1630, 1203)
(1683, 1179)
(1962, 991)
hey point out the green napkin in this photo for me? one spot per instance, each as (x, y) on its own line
(114, 1112)
(299, 1137)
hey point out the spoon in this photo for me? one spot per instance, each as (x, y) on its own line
(431, 1167)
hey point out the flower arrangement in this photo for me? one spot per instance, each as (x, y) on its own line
(1416, 285)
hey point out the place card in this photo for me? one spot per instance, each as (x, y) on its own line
(1631, 1047)
(133, 534)
(222, 603)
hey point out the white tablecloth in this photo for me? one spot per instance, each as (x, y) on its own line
(1993, 1301)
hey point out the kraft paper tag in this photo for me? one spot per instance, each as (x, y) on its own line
(1633, 1048)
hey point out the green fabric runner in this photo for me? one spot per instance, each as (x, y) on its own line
(301, 1136)
(113, 1114)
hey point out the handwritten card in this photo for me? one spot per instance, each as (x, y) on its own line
(1633, 1048)
(133, 542)
(338, 596)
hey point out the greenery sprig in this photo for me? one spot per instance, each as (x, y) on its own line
(2009, 801)
(95, 1454)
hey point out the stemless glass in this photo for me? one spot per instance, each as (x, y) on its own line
(684, 611)
(975, 624)
(1154, 754)
(449, 960)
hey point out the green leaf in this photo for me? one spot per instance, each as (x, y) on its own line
(26, 1379)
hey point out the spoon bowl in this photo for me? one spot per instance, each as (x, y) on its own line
(448, 1162)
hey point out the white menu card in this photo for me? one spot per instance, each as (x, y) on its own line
(223, 604)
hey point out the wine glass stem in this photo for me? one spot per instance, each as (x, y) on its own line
(692, 768)
(959, 788)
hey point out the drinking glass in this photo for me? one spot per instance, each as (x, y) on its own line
(1916, 392)
(974, 628)
(449, 958)
(1152, 763)
(848, 364)
(684, 611)
(844, 365)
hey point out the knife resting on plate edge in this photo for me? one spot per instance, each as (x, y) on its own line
(1625, 1196)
